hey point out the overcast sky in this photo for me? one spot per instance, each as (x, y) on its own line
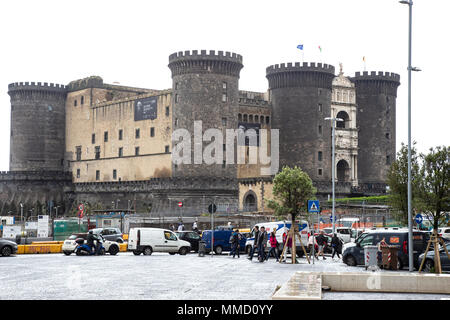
(130, 41)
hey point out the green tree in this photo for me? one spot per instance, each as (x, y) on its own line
(397, 180)
(292, 188)
(434, 184)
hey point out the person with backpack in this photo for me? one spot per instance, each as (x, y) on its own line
(255, 243)
(336, 244)
(321, 242)
(234, 241)
(273, 246)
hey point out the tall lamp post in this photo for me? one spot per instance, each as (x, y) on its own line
(333, 165)
(410, 68)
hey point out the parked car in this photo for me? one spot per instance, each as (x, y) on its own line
(221, 240)
(190, 236)
(111, 234)
(149, 240)
(429, 259)
(7, 248)
(444, 232)
(353, 253)
(70, 244)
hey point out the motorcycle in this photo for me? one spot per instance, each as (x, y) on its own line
(84, 249)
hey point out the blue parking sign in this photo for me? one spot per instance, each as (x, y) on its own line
(313, 206)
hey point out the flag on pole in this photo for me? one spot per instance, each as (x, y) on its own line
(320, 49)
(300, 46)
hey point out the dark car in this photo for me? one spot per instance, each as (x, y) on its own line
(429, 260)
(190, 236)
(111, 234)
(7, 248)
(354, 252)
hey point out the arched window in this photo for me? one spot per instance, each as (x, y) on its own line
(239, 117)
(342, 124)
(343, 171)
(250, 202)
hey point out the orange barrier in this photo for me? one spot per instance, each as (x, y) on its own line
(39, 248)
(47, 242)
(125, 236)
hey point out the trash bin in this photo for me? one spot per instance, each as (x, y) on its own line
(201, 248)
(370, 257)
(393, 257)
(389, 257)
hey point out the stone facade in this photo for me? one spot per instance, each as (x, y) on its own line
(97, 135)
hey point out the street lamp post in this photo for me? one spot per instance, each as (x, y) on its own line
(410, 68)
(333, 165)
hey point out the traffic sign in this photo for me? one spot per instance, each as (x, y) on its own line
(81, 207)
(419, 218)
(331, 218)
(313, 206)
(212, 208)
(180, 204)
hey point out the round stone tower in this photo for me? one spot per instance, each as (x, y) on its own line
(37, 126)
(376, 95)
(301, 98)
(206, 89)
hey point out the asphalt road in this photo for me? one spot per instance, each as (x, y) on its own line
(161, 276)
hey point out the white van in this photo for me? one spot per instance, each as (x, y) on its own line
(281, 227)
(149, 240)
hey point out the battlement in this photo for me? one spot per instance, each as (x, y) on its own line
(373, 75)
(41, 86)
(204, 55)
(300, 67)
(89, 82)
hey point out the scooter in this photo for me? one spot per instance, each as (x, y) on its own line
(84, 249)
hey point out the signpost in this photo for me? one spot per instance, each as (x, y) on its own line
(314, 207)
(212, 209)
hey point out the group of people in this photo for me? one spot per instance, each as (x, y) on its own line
(321, 242)
(260, 244)
(181, 226)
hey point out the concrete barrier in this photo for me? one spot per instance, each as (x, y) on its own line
(395, 282)
(39, 248)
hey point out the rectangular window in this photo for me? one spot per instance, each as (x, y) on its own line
(138, 133)
(97, 152)
(176, 85)
(224, 121)
(105, 136)
(320, 130)
(114, 174)
(93, 138)
(78, 152)
(75, 102)
(120, 152)
(82, 100)
(136, 151)
(224, 85)
(120, 134)
(97, 175)
(224, 97)
(388, 160)
(319, 172)
(319, 155)
(320, 107)
(78, 173)
(176, 98)
(166, 149)
(387, 135)
(167, 111)
(152, 132)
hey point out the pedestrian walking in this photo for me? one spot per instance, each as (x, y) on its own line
(262, 244)
(255, 243)
(194, 226)
(273, 246)
(235, 246)
(172, 227)
(336, 245)
(288, 246)
(312, 244)
(181, 226)
(321, 242)
(382, 244)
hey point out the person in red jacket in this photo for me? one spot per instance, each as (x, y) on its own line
(288, 244)
(273, 246)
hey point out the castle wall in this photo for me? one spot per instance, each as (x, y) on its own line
(152, 159)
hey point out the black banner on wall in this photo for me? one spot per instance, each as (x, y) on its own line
(145, 109)
(246, 126)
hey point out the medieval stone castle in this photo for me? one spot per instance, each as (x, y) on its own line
(97, 143)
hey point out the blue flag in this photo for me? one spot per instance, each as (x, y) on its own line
(300, 46)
